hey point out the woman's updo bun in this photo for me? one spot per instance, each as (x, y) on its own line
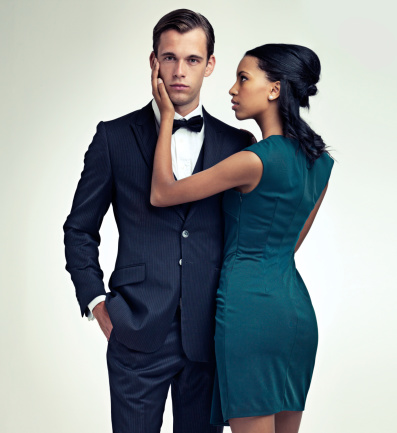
(308, 91)
(304, 95)
(312, 90)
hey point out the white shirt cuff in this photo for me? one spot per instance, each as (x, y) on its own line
(93, 304)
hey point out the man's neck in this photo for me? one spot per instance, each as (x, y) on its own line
(184, 110)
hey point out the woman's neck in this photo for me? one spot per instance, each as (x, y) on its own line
(270, 123)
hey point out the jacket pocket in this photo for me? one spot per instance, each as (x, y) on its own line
(128, 275)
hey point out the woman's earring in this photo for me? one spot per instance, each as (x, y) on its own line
(270, 97)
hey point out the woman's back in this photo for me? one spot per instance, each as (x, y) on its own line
(271, 216)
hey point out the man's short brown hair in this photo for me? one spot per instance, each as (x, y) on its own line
(184, 20)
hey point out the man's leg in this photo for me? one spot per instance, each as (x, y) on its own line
(139, 382)
(191, 392)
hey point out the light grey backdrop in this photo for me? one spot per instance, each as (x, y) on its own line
(68, 64)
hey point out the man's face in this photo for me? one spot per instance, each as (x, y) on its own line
(183, 66)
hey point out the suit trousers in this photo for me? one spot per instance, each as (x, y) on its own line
(139, 384)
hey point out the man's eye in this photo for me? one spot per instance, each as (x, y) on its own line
(169, 58)
(193, 60)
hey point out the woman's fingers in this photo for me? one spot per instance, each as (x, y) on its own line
(153, 78)
(155, 74)
(161, 88)
(160, 92)
(165, 99)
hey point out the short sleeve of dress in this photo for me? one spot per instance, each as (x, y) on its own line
(323, 166)
(261, 149)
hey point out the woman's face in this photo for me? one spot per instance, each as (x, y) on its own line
(251, 91)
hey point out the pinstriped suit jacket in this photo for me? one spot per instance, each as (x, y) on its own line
(147, 282)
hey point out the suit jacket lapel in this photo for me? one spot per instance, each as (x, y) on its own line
(213, 144)
(213, 141)
(144, 128)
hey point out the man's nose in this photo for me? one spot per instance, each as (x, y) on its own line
(180, 70)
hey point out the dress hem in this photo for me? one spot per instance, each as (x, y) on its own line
(226, 423)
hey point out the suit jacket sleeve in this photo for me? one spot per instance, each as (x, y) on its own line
(81, 229)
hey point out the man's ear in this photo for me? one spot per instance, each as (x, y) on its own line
(151, 58)
(210, 66)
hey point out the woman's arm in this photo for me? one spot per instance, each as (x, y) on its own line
(241, 169)
(310, 220)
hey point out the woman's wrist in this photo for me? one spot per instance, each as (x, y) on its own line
(166, 126)
(167, 118)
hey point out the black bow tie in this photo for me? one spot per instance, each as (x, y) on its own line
(194, 124)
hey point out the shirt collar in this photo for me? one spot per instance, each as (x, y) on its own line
(196, 112)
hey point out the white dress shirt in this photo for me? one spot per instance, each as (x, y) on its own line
(185, 149)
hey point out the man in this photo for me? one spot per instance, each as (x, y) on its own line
(159, 314)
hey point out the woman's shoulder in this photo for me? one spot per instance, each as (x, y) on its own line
(326, 159)
(285, 150)
(276, 143)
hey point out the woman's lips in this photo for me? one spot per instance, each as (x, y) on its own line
(235, 104)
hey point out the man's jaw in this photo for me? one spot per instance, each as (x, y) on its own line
(184, 106)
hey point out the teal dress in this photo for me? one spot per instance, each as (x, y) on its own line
(266, 329)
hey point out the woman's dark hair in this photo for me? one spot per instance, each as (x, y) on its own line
(298, 70)
(184, 20)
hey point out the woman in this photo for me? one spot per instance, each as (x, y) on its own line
(266, 329)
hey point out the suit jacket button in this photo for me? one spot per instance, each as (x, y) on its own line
(180, 262)
(185, 233)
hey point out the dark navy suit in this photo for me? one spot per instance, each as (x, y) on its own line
(167, 257)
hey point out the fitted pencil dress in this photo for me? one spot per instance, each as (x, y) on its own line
(266, 329)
